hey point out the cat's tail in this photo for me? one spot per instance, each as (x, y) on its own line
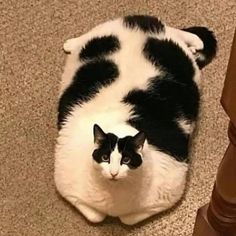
(205, 55)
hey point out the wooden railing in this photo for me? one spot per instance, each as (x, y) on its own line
(218, 218)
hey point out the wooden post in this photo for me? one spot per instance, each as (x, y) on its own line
(218, 218)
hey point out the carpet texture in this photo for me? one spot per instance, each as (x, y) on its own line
(31, 62)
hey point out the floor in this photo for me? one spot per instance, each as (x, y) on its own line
(31, 62)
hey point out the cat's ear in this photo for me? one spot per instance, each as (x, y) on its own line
(139, 140)
(205, 55)
(99, 135)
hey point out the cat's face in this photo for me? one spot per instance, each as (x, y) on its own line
(116, 157)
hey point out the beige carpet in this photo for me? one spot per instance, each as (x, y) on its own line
(31, 62)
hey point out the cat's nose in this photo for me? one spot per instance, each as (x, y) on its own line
(114, 174)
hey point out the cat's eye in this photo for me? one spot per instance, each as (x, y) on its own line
(105, 158)
(126, 160)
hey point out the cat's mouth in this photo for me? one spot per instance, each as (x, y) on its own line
(113, 179)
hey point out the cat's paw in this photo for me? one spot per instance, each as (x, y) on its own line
(95, 217)
(135, 218)
(193, 50)
(127, 221)
(91, 214)
(70, 45)
(196, 44)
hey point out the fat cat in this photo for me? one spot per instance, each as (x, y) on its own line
(128, 104)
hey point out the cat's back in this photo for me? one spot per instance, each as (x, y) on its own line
(105, 64)
(113, 75)
(121, 42)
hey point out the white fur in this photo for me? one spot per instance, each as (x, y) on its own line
(137, 194)
(156, 185)
(114, 168)
(186, 125)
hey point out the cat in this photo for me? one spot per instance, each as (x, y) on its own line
(128, 105)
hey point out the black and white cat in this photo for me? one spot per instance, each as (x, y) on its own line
(128, 104)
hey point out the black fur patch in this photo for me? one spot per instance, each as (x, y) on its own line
(145, 23)
(157, 110)
(170, 96)
(127, 148)
(210, 44)
(170, 57)
(105, 148)
(86, 83)
(99, 47)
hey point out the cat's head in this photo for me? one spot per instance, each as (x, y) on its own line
(115, 157)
